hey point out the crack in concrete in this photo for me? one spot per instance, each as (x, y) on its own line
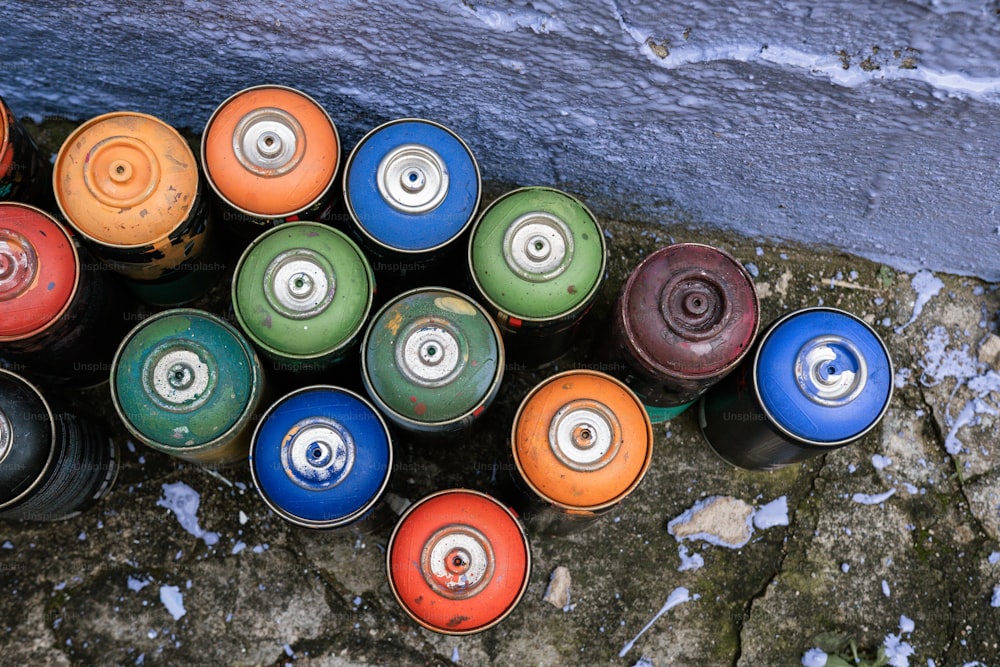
(793, 522)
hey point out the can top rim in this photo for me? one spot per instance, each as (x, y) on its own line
(531, 302)
(708, 348)
(317, 334)
(271, 193)
(509, 602)
(125, 179)
(803, 419)
(55, 296)
(540, 464)
(50, 461)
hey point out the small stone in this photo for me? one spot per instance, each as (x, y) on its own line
(557, 593)
(989, 351)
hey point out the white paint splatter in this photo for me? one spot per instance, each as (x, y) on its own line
(137, 584)
(454, 655)
(7, 544)
(995, 600)
(814, 657)
(238, 547)
(872, 499)
(678, 596)
(173, 600)
(886, 591)
(927, 286)
(881, 462)
(774, 513)
(993, 558)
(752, 269)
(183, 501)
(689, 562)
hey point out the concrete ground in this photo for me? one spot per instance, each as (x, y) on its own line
(910, 576)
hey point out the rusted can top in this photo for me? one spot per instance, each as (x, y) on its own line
(458, 561)
(689, 311)
(39, 271)
(126, 179)
(582, 440)
(270, 151)
(6, 143)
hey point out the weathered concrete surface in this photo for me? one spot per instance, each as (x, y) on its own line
(841, 571)
(851, 125)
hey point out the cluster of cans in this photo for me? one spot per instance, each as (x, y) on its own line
(431, 358)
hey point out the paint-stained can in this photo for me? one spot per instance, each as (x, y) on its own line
(61, 316)
(411, 188)
(24, 172)
(129, 184)
(458, 561)
(321, 457)
(187, 383)
(537, 258)
(581, 443)
(54, 463)
(271, 155)
(686, 316)
(432, 360)
(819, 379)
(302, 293)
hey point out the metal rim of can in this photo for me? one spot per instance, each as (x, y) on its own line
(6, 145)
(52, 438)
(359, 225)
(584, 303)
(641, 355)
(257, 214)
(76, 282)
(89, 236)
(297, 520)
(196, 452)
(640, 411)
(780, 427)
(456, 421)
(348, 339)
(493, 502)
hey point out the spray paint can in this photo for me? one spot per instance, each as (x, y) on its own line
(321, 457)
(537, 258)
(188, 384)
(819, 379)
(54, 463)
(271, 155)
(128, 183)
(60, 318)
(581, 443)
(686, 316)
(458, 562)
(24, 173)
(432, 360)
(302, 293)
(411, 188)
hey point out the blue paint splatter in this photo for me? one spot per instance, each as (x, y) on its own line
(52, 286)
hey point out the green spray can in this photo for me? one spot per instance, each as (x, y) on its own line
(537, 259)
(187, 383)
(302, 292)
(432, 360)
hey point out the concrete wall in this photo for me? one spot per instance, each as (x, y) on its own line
(870, 127)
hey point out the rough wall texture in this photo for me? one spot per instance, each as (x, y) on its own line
(865, 127)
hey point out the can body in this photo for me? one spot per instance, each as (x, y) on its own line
(321, 457)
(537, 259)
(458, 562)
(53, 463)
(24, 173)
(61, 317)
(302, 292)
(129, 184)
(271, 155)
(432, 360)
(581, 443)
(411, 188)
(819, 379)
(188, 384)
(687, 315)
